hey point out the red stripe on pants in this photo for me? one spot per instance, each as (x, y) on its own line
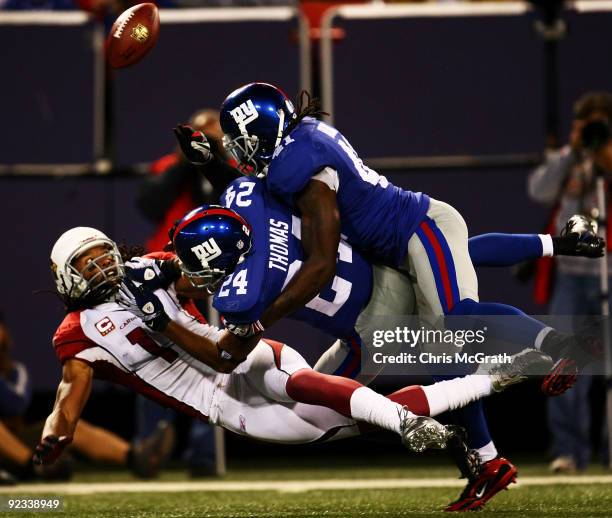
(435, 244)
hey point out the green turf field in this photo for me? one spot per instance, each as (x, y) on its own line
(579, 501)
(556, 500)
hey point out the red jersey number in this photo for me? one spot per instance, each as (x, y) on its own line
(139, 337)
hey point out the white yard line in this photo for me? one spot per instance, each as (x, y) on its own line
(281, 486)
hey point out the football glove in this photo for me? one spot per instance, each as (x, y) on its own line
(158, 275)
(194, 144)
(244, 330)
(49, 449)
(144, 304)
(579, 237)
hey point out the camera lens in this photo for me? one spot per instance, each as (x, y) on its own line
(595, 134)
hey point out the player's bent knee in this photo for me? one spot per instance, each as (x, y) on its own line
(465, 307)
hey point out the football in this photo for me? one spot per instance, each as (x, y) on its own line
(133, 35)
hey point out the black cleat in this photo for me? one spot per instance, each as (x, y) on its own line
(148, 455)
(467, 460)
(579, 238)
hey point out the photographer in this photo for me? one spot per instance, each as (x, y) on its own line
(567, 181)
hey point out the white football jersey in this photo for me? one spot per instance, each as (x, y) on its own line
(122, 349)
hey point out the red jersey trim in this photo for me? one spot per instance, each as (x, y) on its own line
(70, 339)
(277, 348)
(160, 256)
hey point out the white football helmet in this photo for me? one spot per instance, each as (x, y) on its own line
(71, 284)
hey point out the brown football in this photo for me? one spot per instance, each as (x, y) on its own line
(133, 35)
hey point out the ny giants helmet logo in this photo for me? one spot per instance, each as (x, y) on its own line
(207, 251)
(244, 114)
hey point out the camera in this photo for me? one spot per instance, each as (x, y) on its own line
(595, 134)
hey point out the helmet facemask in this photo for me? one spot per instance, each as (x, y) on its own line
(244, 149)
(209, 279)
(96, 281)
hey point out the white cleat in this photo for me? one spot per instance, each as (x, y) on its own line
(420, 432)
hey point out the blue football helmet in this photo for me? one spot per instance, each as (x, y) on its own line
(254, 119)
(210, 242)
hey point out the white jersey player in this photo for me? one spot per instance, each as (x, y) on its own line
(161, 348)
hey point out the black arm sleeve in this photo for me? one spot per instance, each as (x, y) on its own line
(158, 193)
(220, 174)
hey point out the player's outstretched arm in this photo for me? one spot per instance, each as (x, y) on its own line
(497, 249)
(144, 304)
(196, 149)
(72, 394)
(214, 354)
(578, 238)
(320, 238)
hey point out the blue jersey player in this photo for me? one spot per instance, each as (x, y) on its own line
(313, 169)
(358, 292)
(350, 302)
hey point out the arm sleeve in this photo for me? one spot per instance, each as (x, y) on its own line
(504, 249)
(545, 183)
(220, 174)
(15, 393)
(158, 193)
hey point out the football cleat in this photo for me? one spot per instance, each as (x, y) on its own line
(148, 455)
(495, 475)
(529, 362)
(578, 352)
(579, 237)
(420, 432)
(561, 377)
(467, 460)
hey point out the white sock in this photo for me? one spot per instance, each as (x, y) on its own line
(487, 452)
(373, 408)
(540, 338)
(456, 393)
(547, 245)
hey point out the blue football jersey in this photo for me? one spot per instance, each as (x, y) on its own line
(276, 256)
(377, 217)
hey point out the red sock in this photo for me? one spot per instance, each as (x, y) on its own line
(412, 397)
(315, 388)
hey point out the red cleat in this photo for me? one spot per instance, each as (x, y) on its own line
(561, 377)
(496, 474)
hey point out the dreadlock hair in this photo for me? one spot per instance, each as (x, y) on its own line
(306, 106)
(129, 251)
(70, 305)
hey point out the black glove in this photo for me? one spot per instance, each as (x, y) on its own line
(160, 274)
(194, 144)
(579, 237)
(144, 304)
(49, 449)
